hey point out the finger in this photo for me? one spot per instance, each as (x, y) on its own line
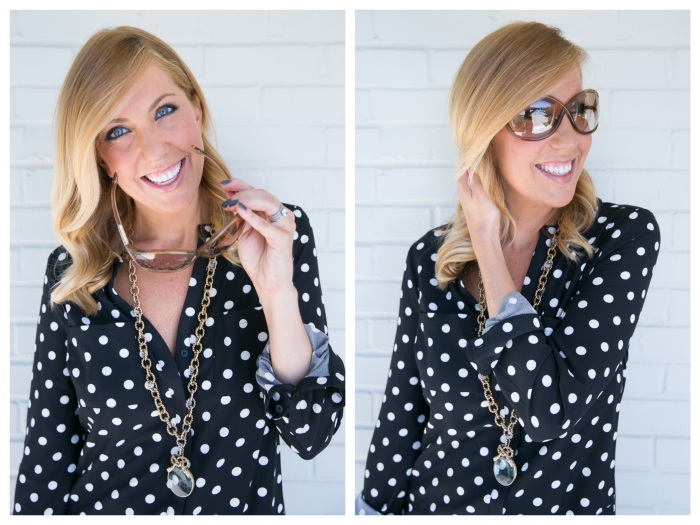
(236, 185)
(263, 202)
(464, 187)
(260, 224)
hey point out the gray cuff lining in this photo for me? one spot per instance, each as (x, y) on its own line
(320, 359)
(513, 304)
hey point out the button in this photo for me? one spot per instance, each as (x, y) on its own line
(279, 409)
(183, 353)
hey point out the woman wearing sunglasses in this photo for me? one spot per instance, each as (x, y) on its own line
(182, 330)
(509, 360)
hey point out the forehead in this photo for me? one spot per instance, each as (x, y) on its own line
(569, 85)
(151, 84)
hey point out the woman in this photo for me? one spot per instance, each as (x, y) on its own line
(162, 414)
(548, 365)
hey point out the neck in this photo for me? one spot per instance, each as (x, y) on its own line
(154, 230)
(530, 218)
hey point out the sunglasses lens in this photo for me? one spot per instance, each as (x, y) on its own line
(162, 261)
(226, 237)
(536, 120)
(584, 109)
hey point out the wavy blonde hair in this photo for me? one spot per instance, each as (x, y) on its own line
(507, 70)
(102, 74)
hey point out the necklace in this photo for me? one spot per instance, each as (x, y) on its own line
(503, 465)
(180, 479)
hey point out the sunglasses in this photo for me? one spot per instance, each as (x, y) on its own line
(175, 260)
(542, 118)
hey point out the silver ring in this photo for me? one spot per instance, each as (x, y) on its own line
(282, 212)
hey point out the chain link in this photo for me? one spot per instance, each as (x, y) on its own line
(179, 459)
(504, 449)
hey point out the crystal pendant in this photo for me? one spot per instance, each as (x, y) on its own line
(180, 481)
(505, 470)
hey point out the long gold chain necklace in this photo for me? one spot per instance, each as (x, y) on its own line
(180, 479)
(503, 465)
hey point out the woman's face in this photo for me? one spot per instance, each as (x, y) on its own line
(527, 186)
(149, 144)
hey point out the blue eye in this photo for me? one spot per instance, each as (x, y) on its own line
(115, 133)
(165, 110)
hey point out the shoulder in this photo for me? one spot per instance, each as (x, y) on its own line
(618, 224)
(301, 219)
(59, 259)
(423, 253)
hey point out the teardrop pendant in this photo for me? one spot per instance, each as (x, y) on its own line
(505, 470)
(180, 481)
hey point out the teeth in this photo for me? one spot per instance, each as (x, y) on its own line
(167, 177)
(556, 169)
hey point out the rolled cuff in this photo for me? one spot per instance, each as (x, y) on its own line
(362, 508)
(266, 379)
(513, 304)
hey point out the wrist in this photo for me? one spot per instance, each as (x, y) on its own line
(279, 299)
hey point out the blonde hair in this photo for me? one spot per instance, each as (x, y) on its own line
(507, 70)
(102, 74)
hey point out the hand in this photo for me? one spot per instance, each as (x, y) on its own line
(482, 215)
(264, 247)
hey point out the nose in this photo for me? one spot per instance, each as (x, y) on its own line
(566, 137)
(153, 146)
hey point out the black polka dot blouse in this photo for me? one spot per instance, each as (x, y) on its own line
(95, 443)
(561, 369)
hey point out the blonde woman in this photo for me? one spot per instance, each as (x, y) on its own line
(181, 330)
(515, 318)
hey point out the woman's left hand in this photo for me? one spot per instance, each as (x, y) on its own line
(264, 247)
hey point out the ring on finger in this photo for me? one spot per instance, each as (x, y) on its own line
(281, 213)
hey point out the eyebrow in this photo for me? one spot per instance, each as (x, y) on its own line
(153, 106)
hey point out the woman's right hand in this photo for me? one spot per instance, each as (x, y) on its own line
(482, 216)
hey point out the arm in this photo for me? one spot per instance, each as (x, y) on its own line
(306, 413)
(54, 435)
(551, 374)
(396, 441)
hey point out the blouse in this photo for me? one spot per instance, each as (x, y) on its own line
(95, 443)
(562, 369)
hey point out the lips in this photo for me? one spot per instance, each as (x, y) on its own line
(561, 179)
(166, 175)
(168, 184)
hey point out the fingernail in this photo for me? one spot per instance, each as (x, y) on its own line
(242, 205)
(224, 182)
(229, 202)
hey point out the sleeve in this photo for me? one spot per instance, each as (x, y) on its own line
(54, 436)
(551, 374)
(307, 416)
(396, 441)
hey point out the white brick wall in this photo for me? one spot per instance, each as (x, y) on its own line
(275, 84)
(405, 62)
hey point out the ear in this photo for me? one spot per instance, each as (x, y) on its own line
(198, 112)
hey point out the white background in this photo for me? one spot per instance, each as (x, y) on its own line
(405, 156)
(274, 81)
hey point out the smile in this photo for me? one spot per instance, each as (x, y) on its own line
(167, 176)
(556, 168)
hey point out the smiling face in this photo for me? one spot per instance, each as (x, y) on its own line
(149, 144)
(529, 188)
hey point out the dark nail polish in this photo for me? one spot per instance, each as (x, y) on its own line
(242, 205)
(226, 204)
(226, 181)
